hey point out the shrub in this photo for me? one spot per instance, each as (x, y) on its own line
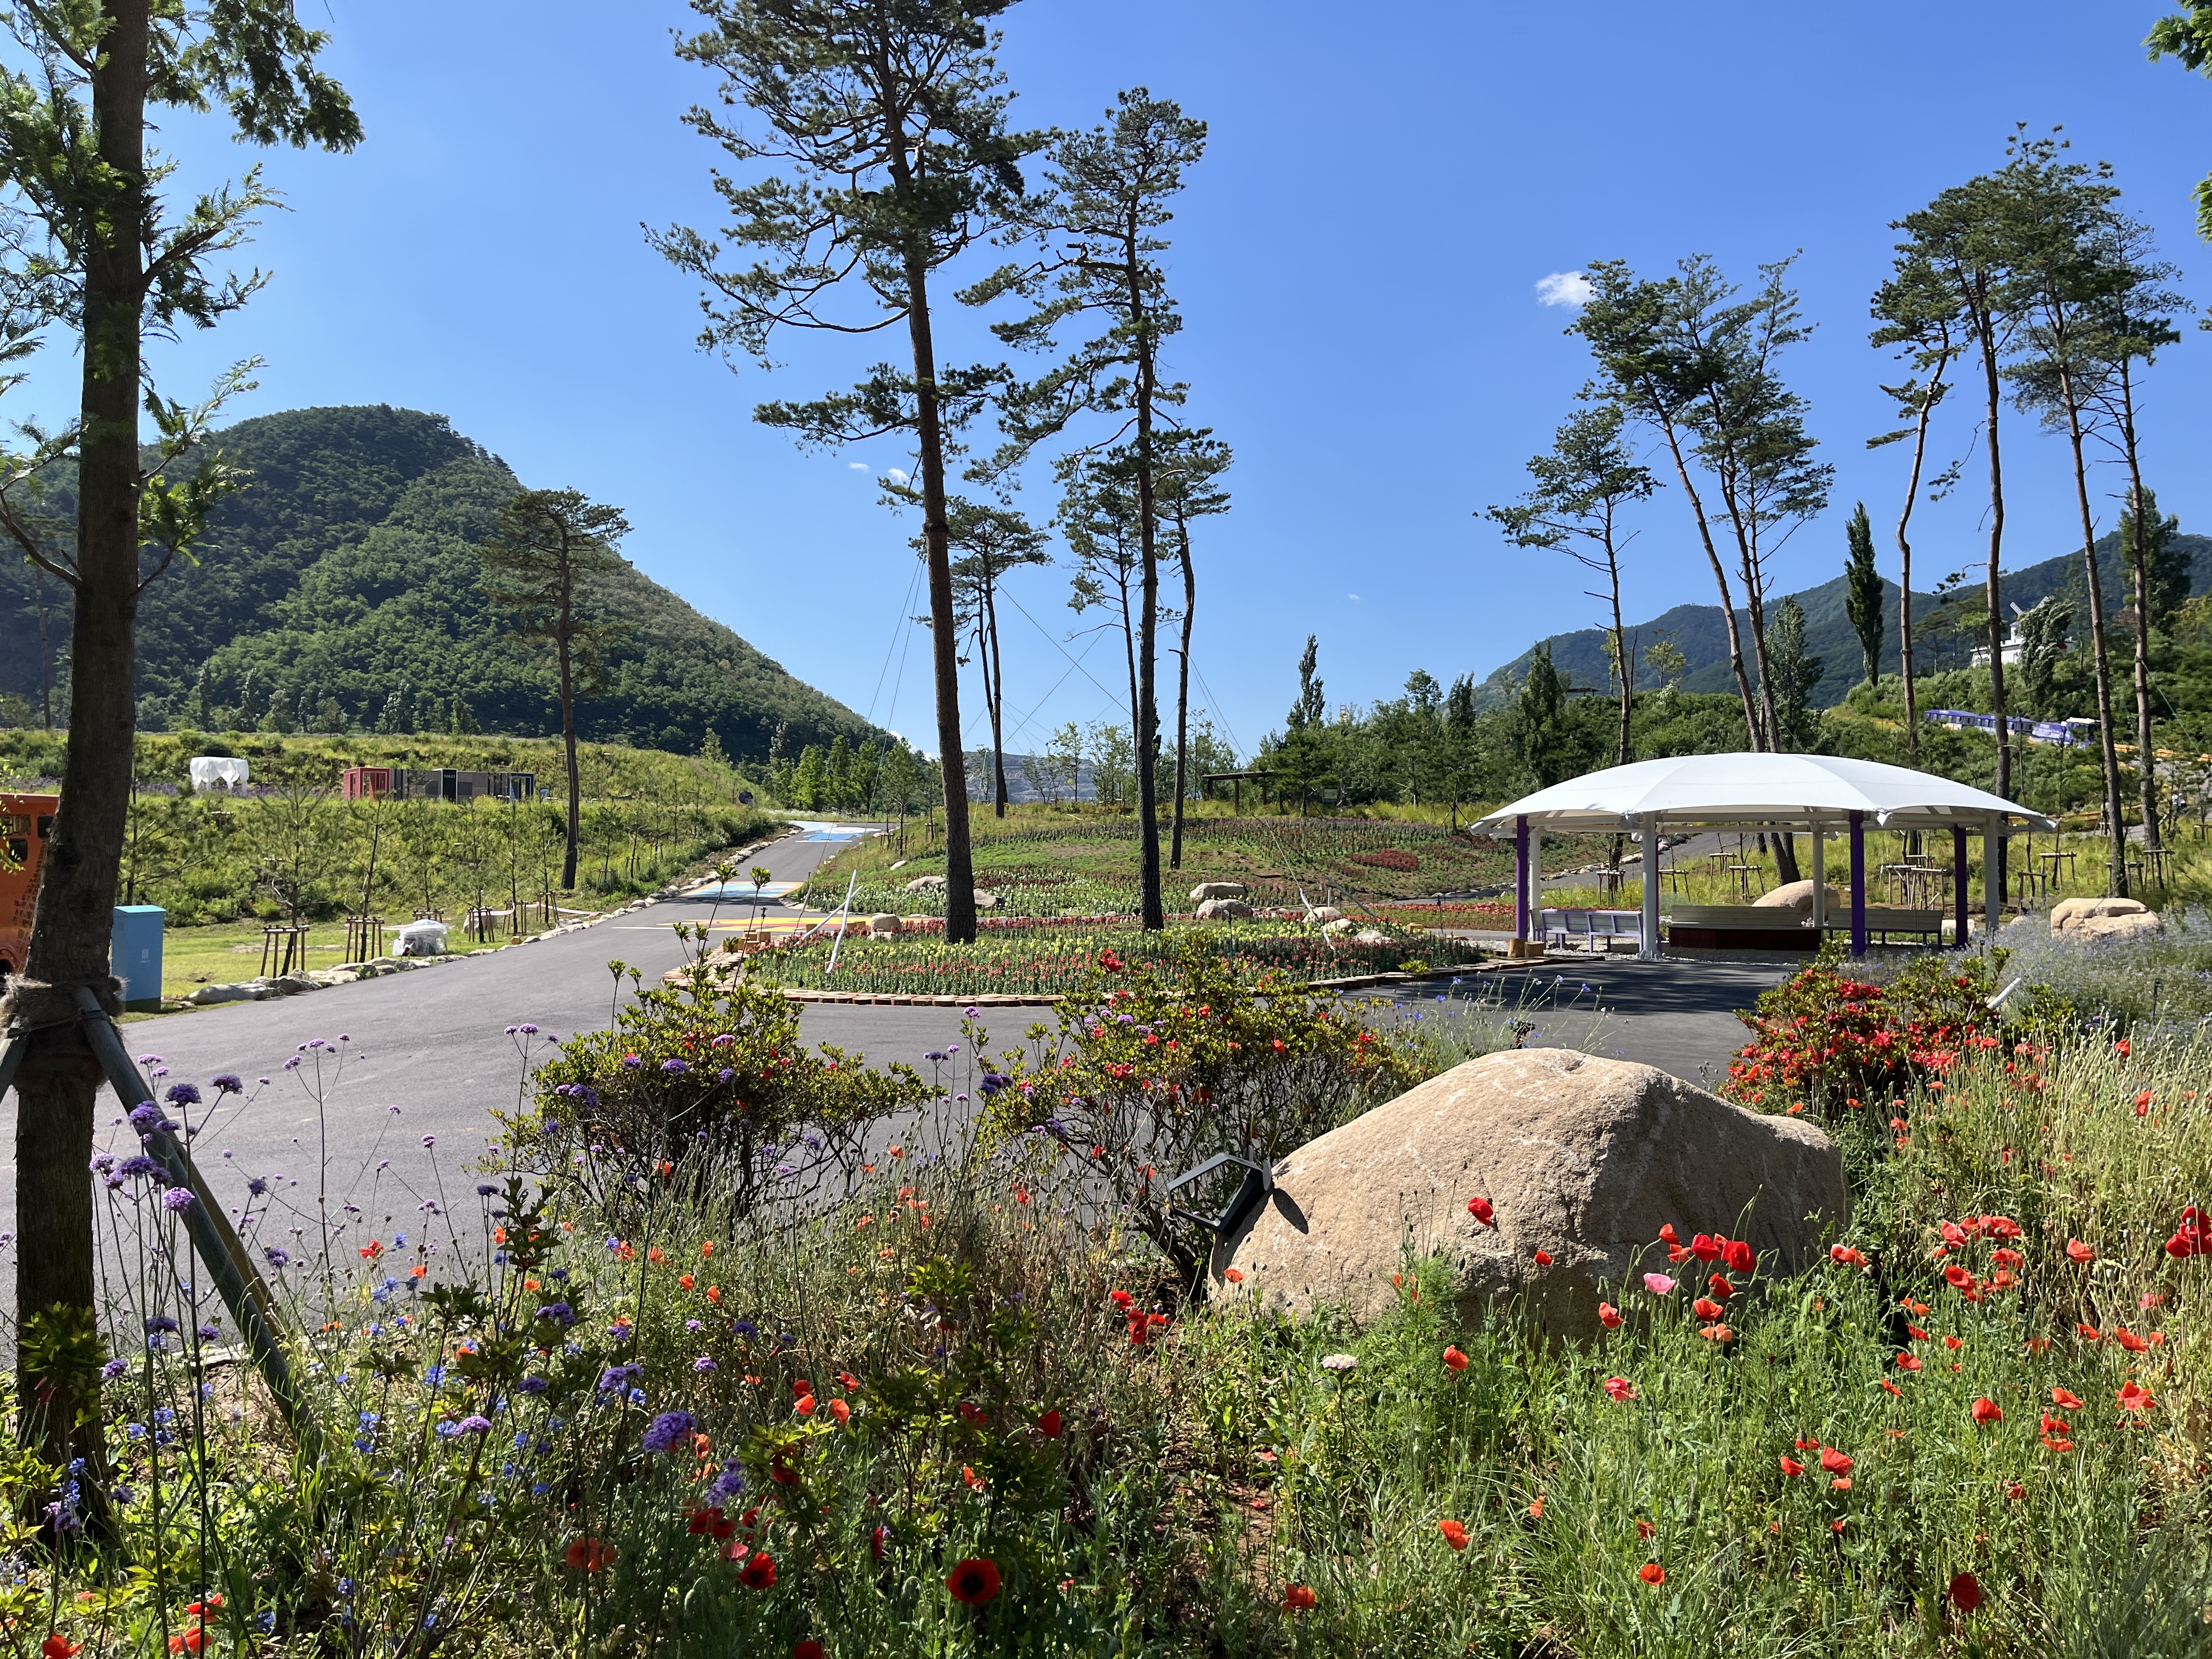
(1824, 1035)
(1154, 1070)
(714, 1064)
(1390, 858)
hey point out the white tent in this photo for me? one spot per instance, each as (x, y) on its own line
(1816, 792)
(218, 772)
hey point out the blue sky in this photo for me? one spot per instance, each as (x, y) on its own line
(1356, 259)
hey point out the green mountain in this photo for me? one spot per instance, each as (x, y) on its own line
(1696, 630)
(345, 573)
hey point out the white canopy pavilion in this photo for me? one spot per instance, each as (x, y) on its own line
(1818, 793)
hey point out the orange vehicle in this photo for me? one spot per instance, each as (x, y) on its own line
(25, 822)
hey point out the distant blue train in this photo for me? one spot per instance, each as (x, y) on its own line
(2057, 732)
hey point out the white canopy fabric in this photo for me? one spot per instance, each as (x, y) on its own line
(219, 772)
(1783, 790)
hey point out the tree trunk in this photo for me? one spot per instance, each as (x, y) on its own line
(58, 1393)
(2100, 655)
(1995, 847)
(943, 631)
(1153, 912)
(1904, 573)
(1720, 578)
(1183, 689)
(2149, 767)
(568, 739)
(995, 696)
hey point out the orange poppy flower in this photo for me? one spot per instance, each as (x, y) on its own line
(1987, 1410)
(587, 1555)
(1608, 1315)
(1455, 1358)
(1298, 1598)
(2135, 1399)
(1791, 1466)
(1455, 1533)
(1652, 1573)
(1834, 1461)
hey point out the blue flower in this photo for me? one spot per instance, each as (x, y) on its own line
(559, 1312)
(744, 1328)
(674, 1067)
(473, 1424)
(278, 1255)
(615, 1378)
(486, 1190)
(669, 1430)
(141, 1166)
(113, 1369)
(227, 1083)
(727, 1485)
(182, 1094)
(532, 1384)
(177, 1200)
(705, 1363)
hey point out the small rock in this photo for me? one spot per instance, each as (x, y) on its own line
(1336, 927)
(986, 901)
(884, 926)
(1223, 909)
(926, 884)
(1370, 936)
(1218, 889)
(1324, 913)
(209, 995)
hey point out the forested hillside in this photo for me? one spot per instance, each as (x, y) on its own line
(341, 588)
(1695, 630)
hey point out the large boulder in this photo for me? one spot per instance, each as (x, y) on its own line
(2128, 924)
(1324, 913)
(884, 926)
(926, 884)
(1217, 890)
(2069, 914)
(1223, 909)
(1798, 895)
(1581, 1157)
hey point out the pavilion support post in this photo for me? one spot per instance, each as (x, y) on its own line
(1521, 884)
(1647, 826)
(1993, 862)
(1858, 884)
(1958, 904)
(1819, 881)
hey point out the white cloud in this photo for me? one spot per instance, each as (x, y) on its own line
(894, 475)
(1354, 597)
(1563, 287)
(857, 466)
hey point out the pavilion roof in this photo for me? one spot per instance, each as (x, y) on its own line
(1785, 791)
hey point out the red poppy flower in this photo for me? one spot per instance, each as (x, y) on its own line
(2193, 1236)
(758, 1571)
(810, 1649)
(190, 1641)
(1298, 1598)
(1621, 1389)
(1668, 1236)
(1791, 1466)
(1543, 1258)
(1720, 1334)
(587, 1555)
(1120, 1299)
(2064, 1400)
(58, 1646)
(973, 1582)
(1987, 1410)
(1483, 1211)
(1652, 1573)
(841, 1411)
(2015, 1492)
(1608, 1315)
(1846, 1256)
(710, 1523)
(1706, 1247)
(2087, 1333)
(1739, 1256)
(1455, 1534)
(972, 1413)
(1719, 1287)
(1455, 1358)
(1957, 1277)
(2135, 1399)
(1965, 1592)
(1834, 1461)
(1910, 1362)
(1893, 1388)
(1643, 1531)
(1706, 1309)
(1048, 1426)
(2128, 1339)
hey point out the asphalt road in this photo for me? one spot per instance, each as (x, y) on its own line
(434, 1044)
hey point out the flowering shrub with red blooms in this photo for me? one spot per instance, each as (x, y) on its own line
(1823, 1037)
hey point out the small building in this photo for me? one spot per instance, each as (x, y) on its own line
(446, 783)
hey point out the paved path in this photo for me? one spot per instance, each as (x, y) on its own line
(433, 1042)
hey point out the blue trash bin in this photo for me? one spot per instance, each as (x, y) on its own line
(134, 955)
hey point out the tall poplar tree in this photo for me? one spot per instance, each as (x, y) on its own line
(1862, 589)
(1097, 228)
(889, 119)
(73, 158)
